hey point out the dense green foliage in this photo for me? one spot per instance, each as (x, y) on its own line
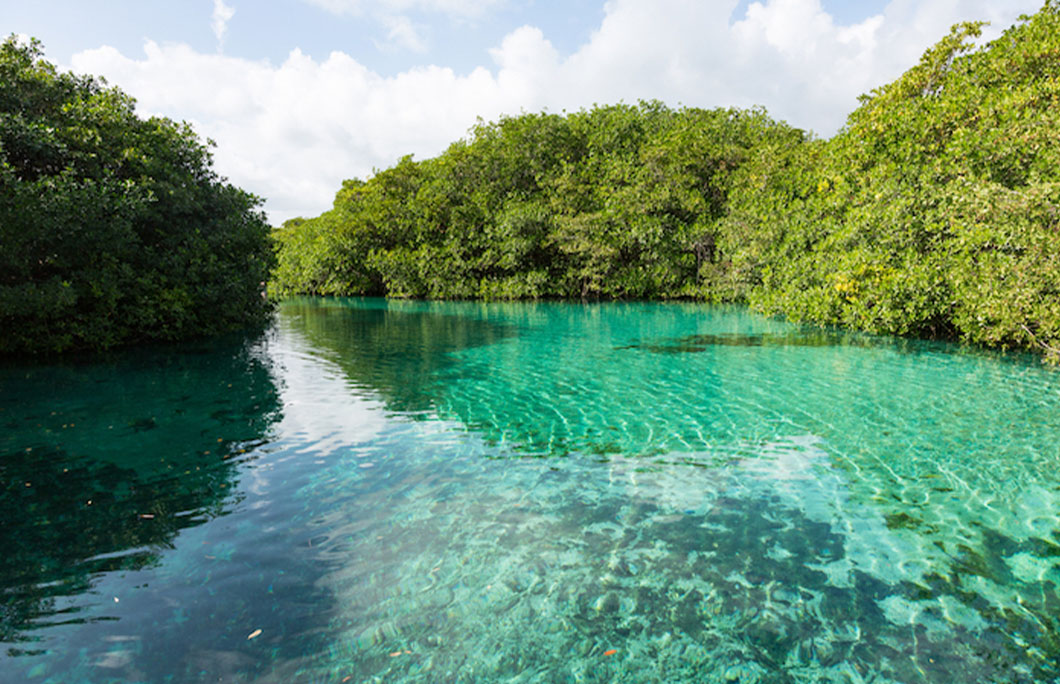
(933, 212)
(619, 201)
(113, 229)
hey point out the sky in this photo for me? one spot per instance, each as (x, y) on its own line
(301, 94)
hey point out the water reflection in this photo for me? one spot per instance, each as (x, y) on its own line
(915, 439)
(690, 344)
(397, 349)
(755, 511)
(104, 461)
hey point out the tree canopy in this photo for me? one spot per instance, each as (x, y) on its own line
(935, 211)
(619, 201)
(114, 229)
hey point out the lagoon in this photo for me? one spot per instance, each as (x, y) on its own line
(408, 491)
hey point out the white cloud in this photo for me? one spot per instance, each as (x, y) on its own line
(402, 33)
(291, 132)
(222, 14)
(454, 8)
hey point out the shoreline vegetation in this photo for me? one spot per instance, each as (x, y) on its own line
(934, 212)
(115, 230)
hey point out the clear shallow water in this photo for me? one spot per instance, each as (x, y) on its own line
(427, 492)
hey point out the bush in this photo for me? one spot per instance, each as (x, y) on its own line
(114, 229)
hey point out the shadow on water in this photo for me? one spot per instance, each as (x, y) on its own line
(407, 553)
(752, 580)
(691, 344)
(397, 349)
(549, 575)
(806, 335)
(103, 461)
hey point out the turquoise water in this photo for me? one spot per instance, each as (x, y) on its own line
(425, 492)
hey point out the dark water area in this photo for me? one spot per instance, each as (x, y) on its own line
(543, 492)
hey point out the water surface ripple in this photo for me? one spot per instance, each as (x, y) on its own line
(424, 492)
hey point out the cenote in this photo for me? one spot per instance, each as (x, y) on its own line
(403, 491)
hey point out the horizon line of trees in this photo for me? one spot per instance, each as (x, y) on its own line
(935, 211)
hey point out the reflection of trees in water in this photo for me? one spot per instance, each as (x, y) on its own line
(395, 349)
(104, 462)
(690, 344)
(971, 619)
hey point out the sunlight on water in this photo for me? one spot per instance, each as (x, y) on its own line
(423, 492)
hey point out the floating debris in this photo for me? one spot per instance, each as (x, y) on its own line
(256, 633)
